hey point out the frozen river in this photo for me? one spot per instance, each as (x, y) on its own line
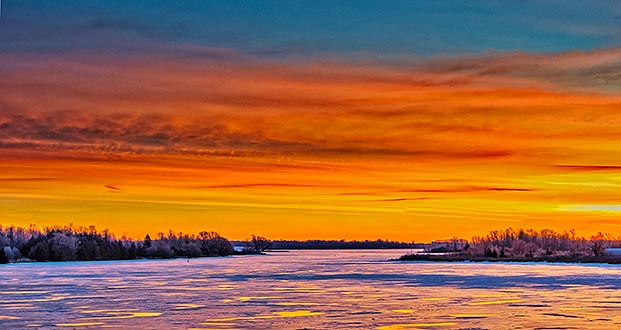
(309, 290)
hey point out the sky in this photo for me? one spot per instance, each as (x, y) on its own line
(405, 120)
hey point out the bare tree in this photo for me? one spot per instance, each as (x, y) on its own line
(598, 244)
(260, 243)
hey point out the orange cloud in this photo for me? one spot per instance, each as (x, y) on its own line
(195, 138)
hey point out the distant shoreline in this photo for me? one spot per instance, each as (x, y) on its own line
(613, 260)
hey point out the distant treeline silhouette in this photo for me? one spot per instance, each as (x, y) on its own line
(342, 244)
(69, 243)
(530, 242)
(524, 245)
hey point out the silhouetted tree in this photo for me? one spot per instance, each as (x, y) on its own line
(62, 246)
(160, 249)
(88, 250)
(598, 246)
(147, 241)
(212, 244)
(131, 252)
(260, 244)
(3, 257)
(40, 252)
(191, 250)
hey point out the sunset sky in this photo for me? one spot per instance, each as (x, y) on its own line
(407, 120)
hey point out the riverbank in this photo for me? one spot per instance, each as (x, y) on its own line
(582, 259)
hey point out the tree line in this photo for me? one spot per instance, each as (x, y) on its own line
(341, 244)
(530, 243)
(71, 243)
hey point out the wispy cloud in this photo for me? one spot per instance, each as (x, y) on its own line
(590, 167)
(112, 188)
(598, 70)
(206, 105)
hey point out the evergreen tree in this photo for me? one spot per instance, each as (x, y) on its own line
(3, 258)
(147, 241)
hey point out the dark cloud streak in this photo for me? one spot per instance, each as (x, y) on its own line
(588, 168)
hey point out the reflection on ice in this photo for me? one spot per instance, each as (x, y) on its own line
(416, 326)
(300, 313)
(17, 306)
(257, 298)
(83, 324)
(187, 306)
(297, 313)
(293, 303)
(404, 311)
(495, 302)
(8, 317)
(469, 316)
(121, 315)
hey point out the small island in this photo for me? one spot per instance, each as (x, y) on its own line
(524, 245)
(77, 243)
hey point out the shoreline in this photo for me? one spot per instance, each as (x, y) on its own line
(31, 261)
(611, 260)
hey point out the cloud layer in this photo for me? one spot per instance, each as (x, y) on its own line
(205, 104)
(470, 140)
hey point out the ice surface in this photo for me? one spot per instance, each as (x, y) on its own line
(309, 289)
